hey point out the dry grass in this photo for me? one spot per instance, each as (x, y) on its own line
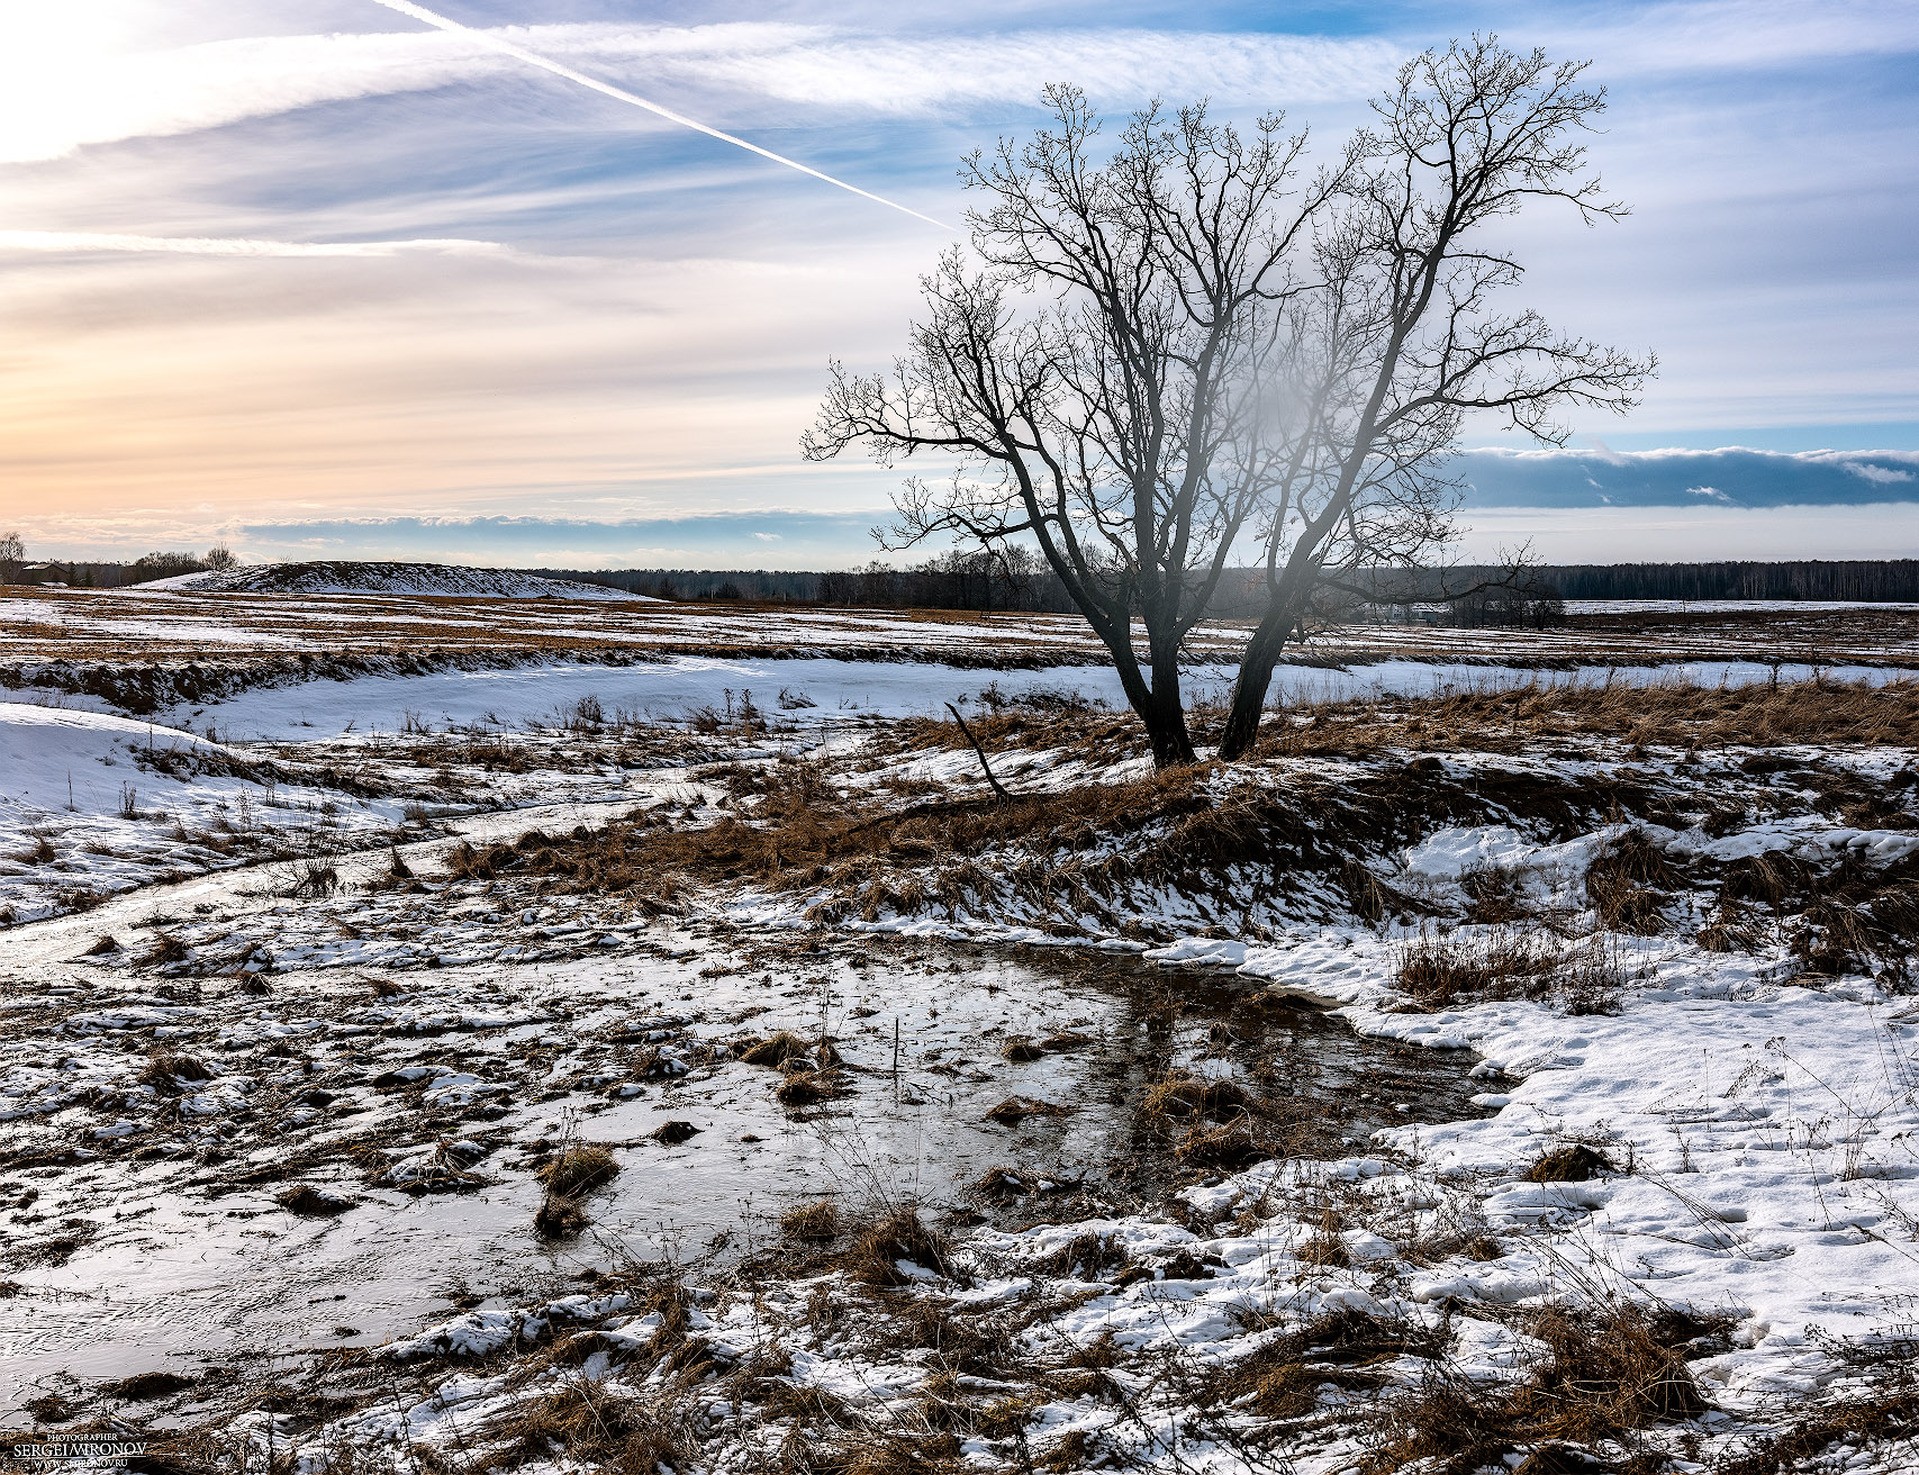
(1015, 1109)
(1282, 1377)
(1575, 1162)
(1630, 883)
(1667, 714)
(1179, 829)
(804, 1087)
(1438, 970)
(304, 1198)
(577, 1169)
(1858, 919)
(818, 1221)
(166, 1069)
(1182, 1096)
(1226, 1147)
(1607, 1372)
(599, 1426)
(144, 1387)
(776, 1049)
(1825, 1435)
(879, 1247)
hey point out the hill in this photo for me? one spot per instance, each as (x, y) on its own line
(344, 577)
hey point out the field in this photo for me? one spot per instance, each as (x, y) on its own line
(460, 1034)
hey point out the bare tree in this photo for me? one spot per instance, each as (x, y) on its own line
(13, 553)
(220, 557)
(1099, 375)
(1402, 339)
(1189, 350)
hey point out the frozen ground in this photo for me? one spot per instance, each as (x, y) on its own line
(91, 805)
(139, 651)
(1622, 1063)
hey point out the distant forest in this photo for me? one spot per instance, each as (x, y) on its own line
(1018, 581)
(977, 581)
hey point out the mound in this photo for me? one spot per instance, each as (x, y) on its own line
(342, 577)
(54, 760)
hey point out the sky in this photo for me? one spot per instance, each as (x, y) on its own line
(315, 279)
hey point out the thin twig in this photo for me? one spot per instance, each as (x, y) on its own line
(999, 789)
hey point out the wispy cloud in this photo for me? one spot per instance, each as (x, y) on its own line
(61, 106)
(52, 103)
(1725, 35)
(68, 242)
(520, 53)
(1879, 475)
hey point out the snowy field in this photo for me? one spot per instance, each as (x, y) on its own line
(542, 1060)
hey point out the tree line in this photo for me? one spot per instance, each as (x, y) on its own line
(1872, 580)
(17, 568)
(972, 581)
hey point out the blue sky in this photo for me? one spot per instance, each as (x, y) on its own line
(307, 275)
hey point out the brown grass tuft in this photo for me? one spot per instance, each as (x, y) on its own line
(776, 1049)
(1630, 883)
(1673, 714)
(818, 1221)
(1015, 1109)
(1573, 1163)
(809, 1087)
(1226, 1146)
(166, 1069)
(142, 1387)
(599, 1426)
(1180, 1095)
(1438, 971)
(578, 1169)
(304, 1198)
(879, 1247)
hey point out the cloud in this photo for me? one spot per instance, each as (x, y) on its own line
(51, 109)
(57, 98)
(52, 104)
(546, 64)
(1733, 476)
(79, 242)
(1879, 475)
(1703, 530)
(809, 539)
(805, 539)
(1728, 35)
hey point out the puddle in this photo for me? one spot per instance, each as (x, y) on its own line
(188, 1270)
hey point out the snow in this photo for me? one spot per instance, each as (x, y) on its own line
(821, 692)
(99, 803)
(1763, 1130)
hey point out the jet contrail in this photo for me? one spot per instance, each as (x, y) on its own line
(560, 69)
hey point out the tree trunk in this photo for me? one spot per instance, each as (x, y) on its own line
(1250, 687)
(1159, 705)
(1165, 715)
(1165, 720)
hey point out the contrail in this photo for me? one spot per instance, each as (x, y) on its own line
(560, 69)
